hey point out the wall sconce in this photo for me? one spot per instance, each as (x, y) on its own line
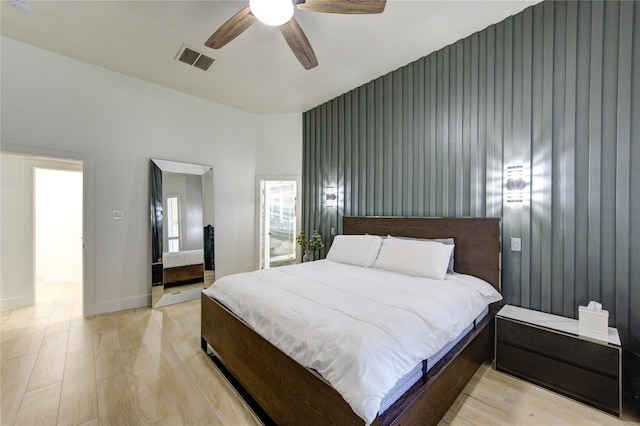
(330, 196)
(515, 184)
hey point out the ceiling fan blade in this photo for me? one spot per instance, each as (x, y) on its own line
(231, 29)
(343, 6)
(299, 44)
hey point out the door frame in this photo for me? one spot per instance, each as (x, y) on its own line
(88, 214)
(259, 179)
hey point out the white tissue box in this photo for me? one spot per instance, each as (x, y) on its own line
(593, 324)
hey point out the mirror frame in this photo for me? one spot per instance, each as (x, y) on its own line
(159, 294)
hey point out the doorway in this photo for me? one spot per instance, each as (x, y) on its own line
(58, 195)
(18, 237)
(278, 200)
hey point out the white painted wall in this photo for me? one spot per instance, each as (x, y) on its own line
(53, 105)
(17, 282)
(279, 144)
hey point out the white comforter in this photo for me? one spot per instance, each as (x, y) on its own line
(183, 258)
(361, 328)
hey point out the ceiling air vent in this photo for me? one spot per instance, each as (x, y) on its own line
(193, 58)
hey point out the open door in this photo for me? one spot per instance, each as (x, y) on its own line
(277, 223)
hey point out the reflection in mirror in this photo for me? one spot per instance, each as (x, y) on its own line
(182, 234)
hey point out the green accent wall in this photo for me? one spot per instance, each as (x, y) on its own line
(555, 88)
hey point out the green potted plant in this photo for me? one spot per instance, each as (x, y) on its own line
(309, 245)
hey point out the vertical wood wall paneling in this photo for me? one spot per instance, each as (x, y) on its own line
(554, 88)
(431, 133)
(375, 144)
(308, 128)
(634, 247)
(568, 158)
(525, 142)
(557, 158)
(456, 135)
(608, 159)
(348, 172)
(472, 141)
(319, 153)
(634, 211)
(420, 159)
(407, 140)
(595, 147)
(511, 156)
(582, 151)
(341, 161)
(623, 163)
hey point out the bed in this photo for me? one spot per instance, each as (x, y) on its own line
(292, 394)
(183, 267)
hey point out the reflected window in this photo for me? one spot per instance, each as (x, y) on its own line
(173, 223)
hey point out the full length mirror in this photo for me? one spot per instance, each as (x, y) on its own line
(182, 234)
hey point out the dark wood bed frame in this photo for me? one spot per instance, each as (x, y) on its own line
(291, 394)
(182, 275)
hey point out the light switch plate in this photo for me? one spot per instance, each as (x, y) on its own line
(516, 244)
(118, 215)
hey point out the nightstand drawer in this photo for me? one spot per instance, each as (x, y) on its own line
(581, 353)
(547, 350)
(587, 386)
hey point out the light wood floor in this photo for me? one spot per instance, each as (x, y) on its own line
(145, 367)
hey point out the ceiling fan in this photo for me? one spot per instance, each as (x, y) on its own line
(280, 13)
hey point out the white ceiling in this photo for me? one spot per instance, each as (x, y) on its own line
(256, 72)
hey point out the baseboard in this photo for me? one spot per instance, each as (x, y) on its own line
(117, 305)
(12, 303)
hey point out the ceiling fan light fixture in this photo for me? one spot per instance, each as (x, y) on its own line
(22, 5)
(272, 12)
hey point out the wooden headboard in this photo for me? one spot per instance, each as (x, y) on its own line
(477, 240)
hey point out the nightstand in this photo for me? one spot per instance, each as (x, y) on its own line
(546, 350)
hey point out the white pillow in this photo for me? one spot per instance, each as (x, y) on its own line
(360, 250)
(447, 241)
(420, 258)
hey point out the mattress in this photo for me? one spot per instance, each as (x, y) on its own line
(362, 329)
(411, 378)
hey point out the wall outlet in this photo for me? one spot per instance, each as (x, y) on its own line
(333, 231)
(118, 215)
(516, 244)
